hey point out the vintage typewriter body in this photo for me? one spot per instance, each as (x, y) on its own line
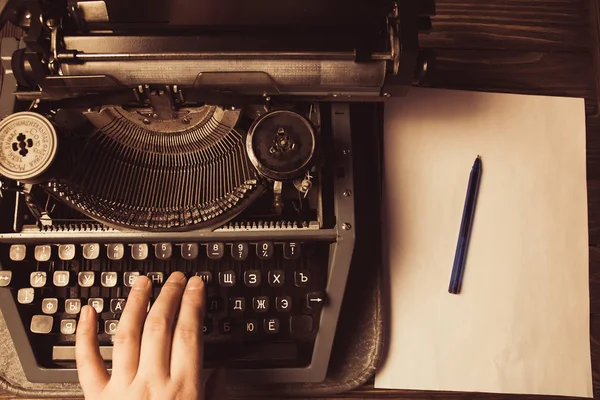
(211, 138)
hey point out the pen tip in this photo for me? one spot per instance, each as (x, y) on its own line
(478, 156)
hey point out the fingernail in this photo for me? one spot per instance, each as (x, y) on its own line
(177, 277)
(195, 283)
(142, 282)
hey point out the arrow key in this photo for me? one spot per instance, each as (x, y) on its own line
(5, 278)
(315, 300)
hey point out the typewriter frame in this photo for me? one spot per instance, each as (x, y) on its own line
(400, 65)
(340, 255)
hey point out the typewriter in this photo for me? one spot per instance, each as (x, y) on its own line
(212, 138)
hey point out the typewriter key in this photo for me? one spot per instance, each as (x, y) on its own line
(28, 144)
(41, 324)
(17, 252)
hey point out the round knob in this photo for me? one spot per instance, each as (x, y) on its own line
(281, 144)
(28, 144)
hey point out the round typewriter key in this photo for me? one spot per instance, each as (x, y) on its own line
(276, 277)
(265, 250)
(91, 251)
(110, 326)
(66, 252)
(163, 251)
(291, 250)
(5, 278)
(68, 326)
(215, 251)
(38, 279)
(271, 325)
(250, 326)
(139, 251)
(283, 303)
(25, 295)
(41, 324)
(61, 278)
(28, 144)
(225, 326)
(239, 251)
(281, 144)
(189, 251)
(50, 306)
(115, 251)
(17, 252)
(42, 252)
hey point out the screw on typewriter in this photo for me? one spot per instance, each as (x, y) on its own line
(282, 142)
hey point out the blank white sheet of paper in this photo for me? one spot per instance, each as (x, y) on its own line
(521, 321)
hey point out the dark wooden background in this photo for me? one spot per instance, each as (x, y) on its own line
(547, 47)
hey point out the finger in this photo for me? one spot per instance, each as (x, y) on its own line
(155, 357)
(90, 366)
(127, 341)
(187, 351)
(215, 385)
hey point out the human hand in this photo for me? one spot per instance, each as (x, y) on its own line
(156, 355)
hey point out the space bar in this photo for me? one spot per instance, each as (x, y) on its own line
(270, 352)
(67, 353)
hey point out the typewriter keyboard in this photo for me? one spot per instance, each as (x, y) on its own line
(263, 298)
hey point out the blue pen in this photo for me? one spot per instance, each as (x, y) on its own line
(466, 225)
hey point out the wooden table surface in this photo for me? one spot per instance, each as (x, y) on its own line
(549, 47)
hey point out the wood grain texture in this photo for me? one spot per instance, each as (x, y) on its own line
(594, 41)
(554, 25)
(595, 280)
(594, 211)
(528, 72)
